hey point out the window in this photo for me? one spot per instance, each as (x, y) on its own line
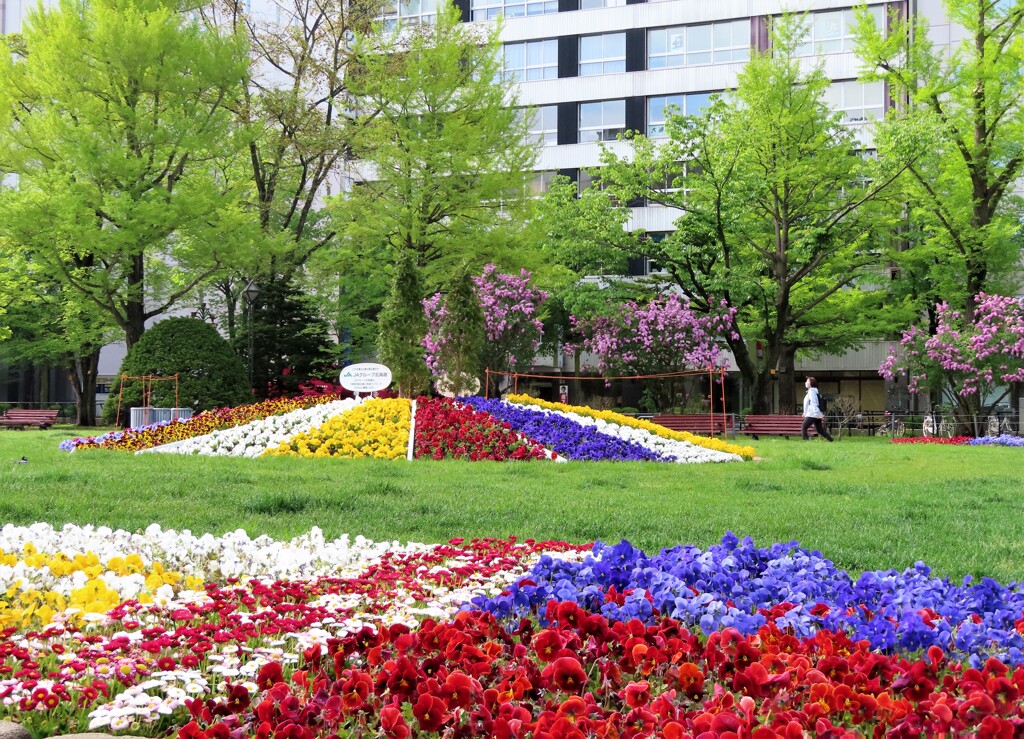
(858, 101)
(486, 10)
(602, 121)
(832, 32)
(410, 12)
(539, 183)
(710, 43)
(657, 109)
(543, 124)
(588, 4)
(603, 54)
(531, 60)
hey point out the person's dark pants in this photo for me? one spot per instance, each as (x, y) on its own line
(819, 427)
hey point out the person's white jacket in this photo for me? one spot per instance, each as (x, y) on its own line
(811, 408)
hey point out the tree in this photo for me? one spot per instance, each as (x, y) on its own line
(112, 115)
(442, 153)
(402, 326)
(967, 359)
(47, 324)
(779, 224)
(455, 337)
(210, 374)
(965, 109)
(289, 340)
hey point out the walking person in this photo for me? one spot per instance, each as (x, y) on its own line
(812, 411)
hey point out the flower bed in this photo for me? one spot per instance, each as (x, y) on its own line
(379, 428)
(166, 432)
(493, 638)
(1001, 440)
(446, 429)
(565, 436)
(254, 438)
(746, 452)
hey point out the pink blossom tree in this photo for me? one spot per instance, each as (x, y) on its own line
(663, 336)
(965, 361)
(511, 306)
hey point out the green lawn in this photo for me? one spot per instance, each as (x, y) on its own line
(864, 502)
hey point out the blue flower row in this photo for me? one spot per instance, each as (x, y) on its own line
(567, 437)
(70, 444)
(736, 583)
(1001, 440)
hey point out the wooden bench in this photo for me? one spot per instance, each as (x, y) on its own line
(773, 426)
(19, 418)
(696, 423)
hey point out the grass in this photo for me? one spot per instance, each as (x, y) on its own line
(864, 502)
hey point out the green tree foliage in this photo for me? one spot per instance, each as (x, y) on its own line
(443, 150)
(113, 116)
(210, 374)
(457, 333)
(777, 217)
(402, 327)
(46, 324)
(289, 341)
(963, 111)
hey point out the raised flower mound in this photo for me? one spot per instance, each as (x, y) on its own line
(446, 429)
(736, 584)
(746, 452)
(370, 641)
(379, 429)
(566, 437)
(948, 440)
(166, 432)
(252, 439)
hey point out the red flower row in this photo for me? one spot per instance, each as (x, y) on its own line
(446, 429)
(954, 440)
(586, 677)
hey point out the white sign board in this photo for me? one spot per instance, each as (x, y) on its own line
(365, 377)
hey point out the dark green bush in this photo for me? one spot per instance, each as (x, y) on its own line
(210, 374)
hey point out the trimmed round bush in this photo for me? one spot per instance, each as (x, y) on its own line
(210, 374)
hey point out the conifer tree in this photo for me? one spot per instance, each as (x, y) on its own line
(402, 326)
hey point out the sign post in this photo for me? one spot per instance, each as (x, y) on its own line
(365, 377)
(563, 394)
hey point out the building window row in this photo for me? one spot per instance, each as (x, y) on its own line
(529, 61)
(831, 32)
(486, 10)
(709, 43)
(602, 54)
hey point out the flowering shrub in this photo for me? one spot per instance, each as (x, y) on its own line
(565, 436)
(379, 428)
(747, 452)
(253, 439)
(662, 336)
(446, 429)
(969, 358)
(510, 305)
(166, 432)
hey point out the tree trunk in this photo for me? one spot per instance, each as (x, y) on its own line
(82, 374)
(787, 381)
(135, 304)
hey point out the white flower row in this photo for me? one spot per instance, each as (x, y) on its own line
(234, 554)
(683, 452)
(254, 438)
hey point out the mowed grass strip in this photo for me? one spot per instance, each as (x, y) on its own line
(863, 502)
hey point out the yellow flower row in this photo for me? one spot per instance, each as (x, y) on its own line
(28, 604)
(747, 452)
(379, 429)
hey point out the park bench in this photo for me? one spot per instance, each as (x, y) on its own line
(773, 426)
(19, 418)
(696, 423)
